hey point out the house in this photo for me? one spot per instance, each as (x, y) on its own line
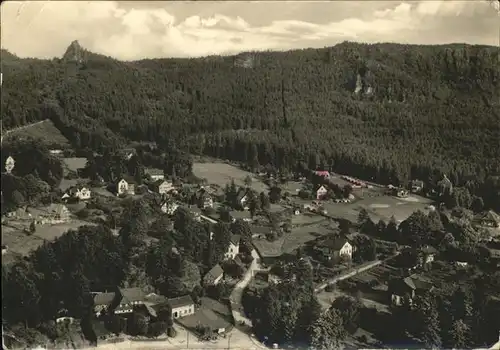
(213, 277)
(321, 192)
(103, 302)
(56, 152)
(242, 198)
(323, 173)
(9, 164)
(128, 153)
(125, 187)
(335, 249)
(58, 212)
(407, 288)
(488, 218)
(123, 301)
(426, 255)
(417, 186)
(76, 192)
(162, 186)
(181, 306)
(234, 247)
(169, 208)
(155, 174)
(205, 200)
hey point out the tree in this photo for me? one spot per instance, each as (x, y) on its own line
(381, 228)
(427, 320)
(17, 198)
(346, 191)
(275, 194)
(477, 204)
(32, 227)
(253, 203)
(348, 309)
(137, 324)
(327, 331)
(248, 181)
(165, 314)
(116, 324)
(264, 201)
(155, 329)
(242, 228)
(459, 335)
(391, 231)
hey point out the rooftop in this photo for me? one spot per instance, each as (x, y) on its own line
(184, 300)
(215, 271)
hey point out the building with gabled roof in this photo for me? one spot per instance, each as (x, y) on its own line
(488, 218)
(234, 247)
(214, 276)
(408, 287)
(155, 173)
(181, 306)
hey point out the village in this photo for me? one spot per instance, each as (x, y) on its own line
(318, 218)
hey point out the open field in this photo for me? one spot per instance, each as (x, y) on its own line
(74, 163)
(67, 183)
(22, 244)
(307, 219)
(291, 241)
(293, 187)
(222, 174)
(379, 208)
(45, 131)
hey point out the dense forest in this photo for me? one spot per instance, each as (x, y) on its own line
(382, 112)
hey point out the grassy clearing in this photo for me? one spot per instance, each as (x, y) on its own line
(221, 174)
(20, 243)
(74, 163)
(45, 131)
(291, 241)
(379, 208)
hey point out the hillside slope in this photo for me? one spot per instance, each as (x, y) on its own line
(384, 111)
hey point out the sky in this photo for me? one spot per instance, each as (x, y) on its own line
(131, 30)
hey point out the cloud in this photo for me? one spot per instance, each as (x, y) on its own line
(45, 29)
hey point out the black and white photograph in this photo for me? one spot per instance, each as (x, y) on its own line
(250, 175)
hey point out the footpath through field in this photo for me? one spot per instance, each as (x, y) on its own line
(19, 128)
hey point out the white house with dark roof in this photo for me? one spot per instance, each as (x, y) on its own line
(9, 164)
(234, 247)
(181, 306)
(125, 187)
(214, 276)
(78, 192)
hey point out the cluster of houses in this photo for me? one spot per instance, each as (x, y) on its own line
(125, 301)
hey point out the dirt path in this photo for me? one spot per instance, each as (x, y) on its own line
(237, 293)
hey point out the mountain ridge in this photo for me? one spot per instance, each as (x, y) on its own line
(430, 108)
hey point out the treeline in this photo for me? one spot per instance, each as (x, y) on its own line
(419, 111)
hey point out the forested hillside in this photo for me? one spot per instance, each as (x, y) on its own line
(386, 112)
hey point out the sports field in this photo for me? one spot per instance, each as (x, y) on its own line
(220, 174)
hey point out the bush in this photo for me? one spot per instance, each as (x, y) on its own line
(330, 288)
(171, 332)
